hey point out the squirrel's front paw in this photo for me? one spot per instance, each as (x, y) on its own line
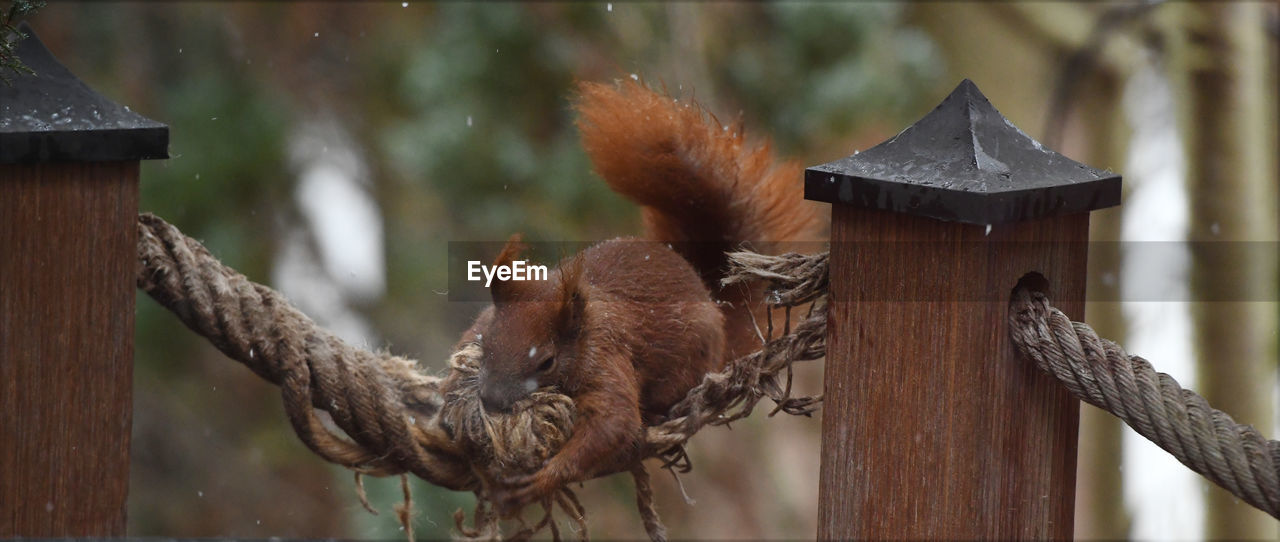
(510, 499)
(512, 493)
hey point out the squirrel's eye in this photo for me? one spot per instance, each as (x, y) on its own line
(546, 364)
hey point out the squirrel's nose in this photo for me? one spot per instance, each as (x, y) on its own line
(494, 401)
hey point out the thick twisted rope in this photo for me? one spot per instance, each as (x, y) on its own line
(394, 419)
(387, 409)
(1099, 372)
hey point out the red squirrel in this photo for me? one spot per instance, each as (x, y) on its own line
(625, 328)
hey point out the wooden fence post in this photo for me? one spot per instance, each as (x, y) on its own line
(68, 212)
(933, 427)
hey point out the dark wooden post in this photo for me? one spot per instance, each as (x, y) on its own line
(68, 209)
(933, 428)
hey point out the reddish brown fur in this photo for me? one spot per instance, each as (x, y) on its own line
(703, 187)
(630, 329)
(631, 324)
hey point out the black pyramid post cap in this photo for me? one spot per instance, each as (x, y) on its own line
(52, 116)
(964, 162)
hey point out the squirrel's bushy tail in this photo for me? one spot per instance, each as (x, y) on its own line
(702, 185)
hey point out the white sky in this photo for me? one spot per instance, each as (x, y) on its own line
(1164, 497)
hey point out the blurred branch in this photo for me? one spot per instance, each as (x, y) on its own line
(1068, 27)
(10, 36)
(1086, 60)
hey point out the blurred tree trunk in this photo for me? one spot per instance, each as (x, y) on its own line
(1220, 59)
(1100, 509)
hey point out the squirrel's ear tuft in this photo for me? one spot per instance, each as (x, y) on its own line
(505, 290)
(572, 298)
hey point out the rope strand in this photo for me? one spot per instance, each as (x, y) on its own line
(1099, 372)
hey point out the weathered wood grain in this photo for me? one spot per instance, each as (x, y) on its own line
(67, 256)
(933, 428)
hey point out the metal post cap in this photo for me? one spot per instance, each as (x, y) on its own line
(964, 162)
